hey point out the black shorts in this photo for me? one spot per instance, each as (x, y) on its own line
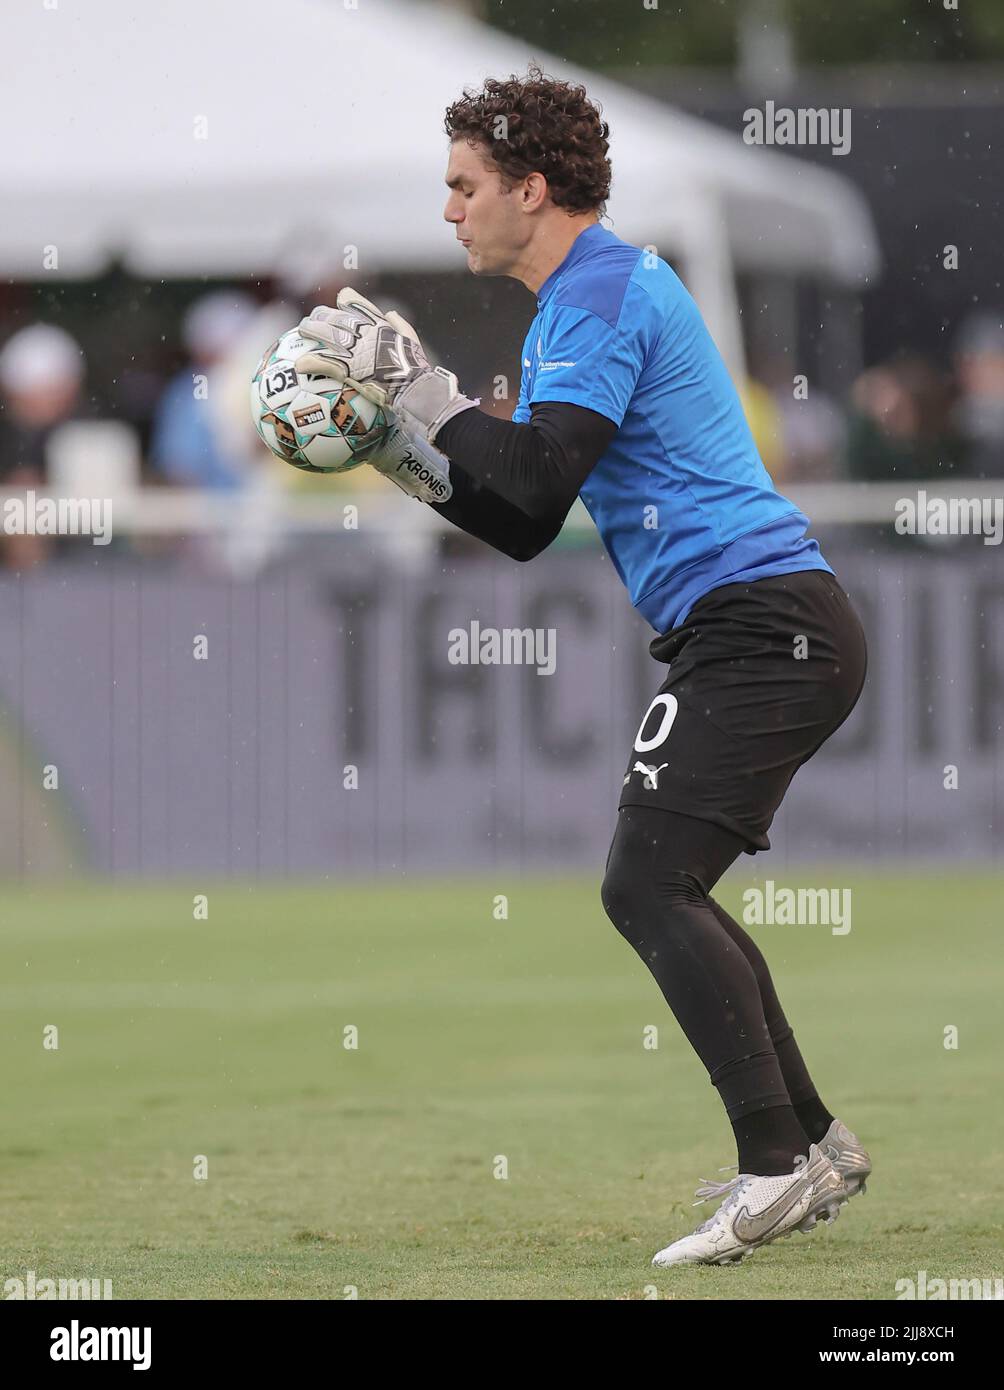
(760, 675)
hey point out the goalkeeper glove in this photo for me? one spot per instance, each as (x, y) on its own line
(382, 356)
(418, 469)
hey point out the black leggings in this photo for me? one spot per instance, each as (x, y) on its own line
(660, 870)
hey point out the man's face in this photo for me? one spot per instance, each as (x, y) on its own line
(487, 219)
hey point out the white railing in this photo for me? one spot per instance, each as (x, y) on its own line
(172, 511)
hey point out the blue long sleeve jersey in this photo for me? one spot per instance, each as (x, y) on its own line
(625, 399)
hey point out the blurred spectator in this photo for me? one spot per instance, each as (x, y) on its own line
(805, 438)
(900, 425)
(192, 444)
(766, 426)
(41, 380)
(979, 411)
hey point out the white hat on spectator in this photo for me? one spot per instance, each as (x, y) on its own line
(215, 322)
(38, 357)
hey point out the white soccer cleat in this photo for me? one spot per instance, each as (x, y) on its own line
(848, 1155)
(756, 1210)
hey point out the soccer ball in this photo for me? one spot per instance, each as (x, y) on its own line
(312, 421)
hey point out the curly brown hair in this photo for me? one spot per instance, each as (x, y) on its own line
(549, 127)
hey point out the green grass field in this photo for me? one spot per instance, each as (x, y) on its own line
(331, 1169)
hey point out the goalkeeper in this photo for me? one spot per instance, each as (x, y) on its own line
(625, 401)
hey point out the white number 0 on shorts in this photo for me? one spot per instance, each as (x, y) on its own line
(669, 707)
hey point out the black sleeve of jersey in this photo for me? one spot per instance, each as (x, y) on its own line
(513, 484)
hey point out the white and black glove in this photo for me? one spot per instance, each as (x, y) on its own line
(382, 356)
(418, 469)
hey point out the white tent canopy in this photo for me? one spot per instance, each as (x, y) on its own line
(182, 139)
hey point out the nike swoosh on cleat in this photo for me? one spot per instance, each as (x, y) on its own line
(749, 1228)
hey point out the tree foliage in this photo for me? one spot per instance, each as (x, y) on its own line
(624, 33)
